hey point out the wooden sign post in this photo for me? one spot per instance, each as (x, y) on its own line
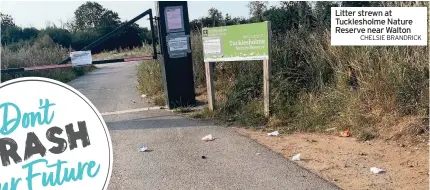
(212, 45)
(209, 70)
(266, 86)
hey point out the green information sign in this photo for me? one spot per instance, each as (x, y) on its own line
(236, 43)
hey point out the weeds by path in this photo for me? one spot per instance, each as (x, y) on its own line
(43, 51)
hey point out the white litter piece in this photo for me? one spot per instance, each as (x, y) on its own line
(274, 133)
(143, 148)
(376, 170)
(208, 138)
(295, 157)
(143, 95)
(258, 153)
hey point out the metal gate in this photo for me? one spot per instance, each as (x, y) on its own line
(66, 62)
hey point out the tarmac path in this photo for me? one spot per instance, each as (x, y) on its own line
(174, 159)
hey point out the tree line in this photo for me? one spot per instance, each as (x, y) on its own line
(288, 15)
(91, 21)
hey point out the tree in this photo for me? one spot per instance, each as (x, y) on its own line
(128, 38)
(11, 34)
(305, 13)
(80, 39)
(279, 19)
(299, 14)
(356, 3)
(92, 21)
(60, 36)
(227, 19)
(145, 35)
(108, 21)
(323, 12)
(6, 21)
(257, 9)
(88, 15)
(216, 16)
(29, 33)
(71, 26)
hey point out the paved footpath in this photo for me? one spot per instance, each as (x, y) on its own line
(174, 159)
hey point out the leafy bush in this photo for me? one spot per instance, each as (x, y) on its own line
(60, 36)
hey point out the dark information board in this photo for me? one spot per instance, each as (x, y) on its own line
(174, 33)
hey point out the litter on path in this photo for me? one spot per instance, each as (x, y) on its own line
(376, 170)
(208, 138)
(295, 157)
(274, 133)
(143, 148)
(346, 133)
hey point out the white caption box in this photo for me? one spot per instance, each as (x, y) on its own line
(379, 26)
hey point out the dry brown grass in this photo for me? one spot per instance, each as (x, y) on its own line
(311, 86)
(43, 51)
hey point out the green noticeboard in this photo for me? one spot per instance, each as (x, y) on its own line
(236, 43)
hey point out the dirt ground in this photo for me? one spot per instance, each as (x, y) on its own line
(347, 162)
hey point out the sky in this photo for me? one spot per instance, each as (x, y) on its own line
(39, 13)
